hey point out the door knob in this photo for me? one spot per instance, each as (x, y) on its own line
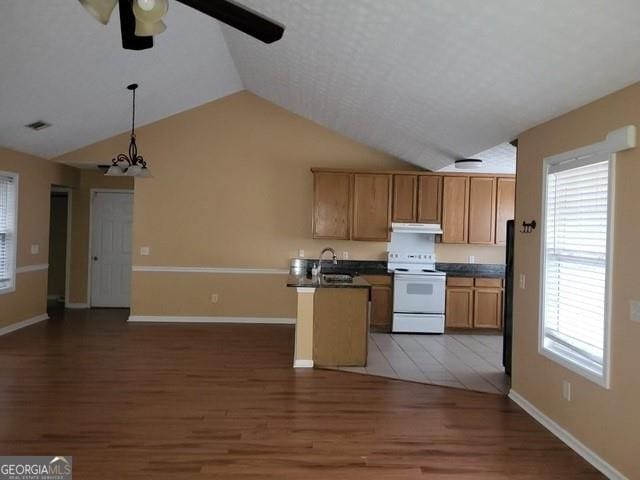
(95, 259)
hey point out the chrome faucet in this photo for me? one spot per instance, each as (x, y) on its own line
(325, 250)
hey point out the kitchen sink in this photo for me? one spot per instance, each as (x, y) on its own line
(337, 278)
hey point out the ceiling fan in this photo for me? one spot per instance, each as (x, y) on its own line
(140, 20)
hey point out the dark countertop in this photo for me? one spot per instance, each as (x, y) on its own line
(379, 267)
(482, 270)
(305, 280)
(354, 267)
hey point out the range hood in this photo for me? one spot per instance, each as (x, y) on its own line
(426, 228)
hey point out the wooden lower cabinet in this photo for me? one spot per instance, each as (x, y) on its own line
(459, 307)
(487, 308)
(474, 303)
(381, 302)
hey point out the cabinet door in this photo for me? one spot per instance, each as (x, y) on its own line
(405, 190)
(455, 208)
(371, 207)
(331, 205)
(429, 199)
(459, 307)
(380, 308)
(487, 308)
(482, 210)
(505, 207)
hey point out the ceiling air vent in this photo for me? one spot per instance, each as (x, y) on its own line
(39, 125)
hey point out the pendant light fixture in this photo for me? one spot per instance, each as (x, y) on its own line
(100, 9)
(132, 165)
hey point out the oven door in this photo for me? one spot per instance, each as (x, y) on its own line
(419, 293)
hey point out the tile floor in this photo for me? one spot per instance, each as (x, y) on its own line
(472, 362)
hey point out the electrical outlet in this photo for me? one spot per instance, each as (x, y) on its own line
(144, 251)
(214, 298)
(35, 249)
(523, 281)
(472, 259)
(634, 307)
(301, 253)
(566, 390)
(345, 255)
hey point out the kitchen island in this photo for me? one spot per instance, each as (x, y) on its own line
(332, 320)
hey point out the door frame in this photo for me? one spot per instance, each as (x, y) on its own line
(67, 265)
(92, 192)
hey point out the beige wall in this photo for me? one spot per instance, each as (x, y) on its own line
(36, 178)
(232, 188)
(607, 421)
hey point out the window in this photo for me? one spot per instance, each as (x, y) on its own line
(8, 230)
(577, 226)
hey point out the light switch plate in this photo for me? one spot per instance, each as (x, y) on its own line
(301, 253)
(472, 259)
(35, 249)
(345, 255)
(566, 390)
(145, 251)
(634, 310)
(523, 281)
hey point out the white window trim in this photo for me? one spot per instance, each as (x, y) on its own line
(12, 287)
(616, 141)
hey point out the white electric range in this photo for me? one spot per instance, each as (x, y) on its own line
(418, 293)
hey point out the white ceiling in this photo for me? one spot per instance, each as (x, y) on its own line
(59, 65)
(428, 81)
(498, 159)
(432, 81)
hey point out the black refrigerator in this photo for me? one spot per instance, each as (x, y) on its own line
(508, 299)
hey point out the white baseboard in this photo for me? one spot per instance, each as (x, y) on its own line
(571, 441)
(24, 323)
(303, 363)
(199, 319)
(76, 305)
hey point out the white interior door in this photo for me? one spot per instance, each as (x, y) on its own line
(112, 218)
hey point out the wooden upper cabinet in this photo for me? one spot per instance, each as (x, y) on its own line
(405, 193)
(331, 205)
(371, 207)
(482, 210)
(429, 199)
(505, 207)
(455, 201)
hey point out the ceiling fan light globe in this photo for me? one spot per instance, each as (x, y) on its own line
(145, 29)
(100, 9)
(146, 5)
(156, 12)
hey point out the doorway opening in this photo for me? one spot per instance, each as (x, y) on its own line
(59, 247)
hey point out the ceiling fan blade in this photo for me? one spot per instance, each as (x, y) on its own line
(238, 17)
(128, 28)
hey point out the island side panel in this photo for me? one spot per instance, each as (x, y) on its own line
(340, 327)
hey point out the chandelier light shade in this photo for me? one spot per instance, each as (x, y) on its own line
(131, 164)
(149, 15)
(100, 9)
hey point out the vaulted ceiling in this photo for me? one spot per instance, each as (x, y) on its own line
(428, 81)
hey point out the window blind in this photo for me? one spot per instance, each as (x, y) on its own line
(575, 268)
(8, 228)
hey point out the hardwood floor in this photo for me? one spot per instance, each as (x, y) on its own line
(222, 401)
